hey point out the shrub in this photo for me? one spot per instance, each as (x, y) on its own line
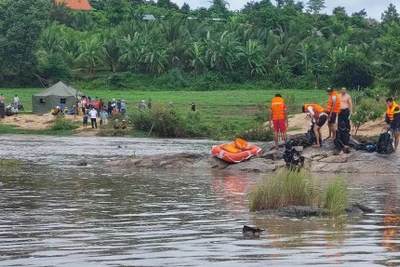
(336, 196)
(367, 110)
(258, 133)
(174, 80)
(263, 113)
(169, 122)
(285, 188)
(62, 124)
(208, 82)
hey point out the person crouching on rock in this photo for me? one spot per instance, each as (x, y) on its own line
(279, 118)
(342, 139)
(292, 157)
(318, 118)
(393, 120)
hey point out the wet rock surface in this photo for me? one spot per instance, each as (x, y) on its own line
(325, 159)
(355, 209)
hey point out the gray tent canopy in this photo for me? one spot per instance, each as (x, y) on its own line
(59, 93)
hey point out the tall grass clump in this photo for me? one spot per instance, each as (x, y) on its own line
(62, 124)
(169, 122)
(286, 188)
(335, 196)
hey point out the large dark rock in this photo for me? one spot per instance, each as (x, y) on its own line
(354, 209)
(323, 159)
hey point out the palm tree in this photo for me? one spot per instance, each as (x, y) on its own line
(111, 49)
(90, 55)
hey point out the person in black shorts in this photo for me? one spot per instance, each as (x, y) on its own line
(318, 118)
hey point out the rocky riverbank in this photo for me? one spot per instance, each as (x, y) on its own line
(323, 159)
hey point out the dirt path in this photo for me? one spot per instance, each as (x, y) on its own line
(299, 124)
(43, 122)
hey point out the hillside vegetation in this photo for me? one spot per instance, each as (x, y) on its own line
(276, 45)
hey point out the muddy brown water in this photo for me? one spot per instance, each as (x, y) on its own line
(55, 214)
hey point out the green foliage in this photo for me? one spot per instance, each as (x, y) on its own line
(203, 49)
(168, 122)
(354, 72)
(284, 189)
(63, 124)
(173, 80)
(55, 68)
(10, 162)
(336, 196)
(257, 133)
(367, 110)
(20, 28)
(287, 188)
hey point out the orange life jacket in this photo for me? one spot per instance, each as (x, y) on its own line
(336, 108)
(390, 111)
(317, 109)
(97, 104)
(278, 108)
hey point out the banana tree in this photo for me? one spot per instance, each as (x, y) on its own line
(221, 52)
(252, 56)
(156, 61)
(132, 51)
(196, 57)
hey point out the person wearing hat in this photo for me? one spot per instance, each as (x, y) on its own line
(333, 109)
(123, 124)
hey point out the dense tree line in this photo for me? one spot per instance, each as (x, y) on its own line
(286, 42)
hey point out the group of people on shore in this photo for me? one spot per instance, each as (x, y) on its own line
(12, 108)
(336, 114)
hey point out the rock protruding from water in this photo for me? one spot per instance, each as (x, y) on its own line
(325, 159)
(354, 209)
(193, 160)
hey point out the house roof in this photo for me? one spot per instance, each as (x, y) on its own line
(76, 4)
(149, 17)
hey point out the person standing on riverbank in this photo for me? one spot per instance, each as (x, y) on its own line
(346, 108)
(103, 117)
(278, 118)
(85, 118)
(93, 116)
(393, 120)
(333, 109)
(16, 102)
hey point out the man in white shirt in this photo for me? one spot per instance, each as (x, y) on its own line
(16, 101)
(93, 116)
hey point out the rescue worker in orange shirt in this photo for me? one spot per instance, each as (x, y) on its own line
(392, 119)
(318, 119)
(333, 109)
(279, 118)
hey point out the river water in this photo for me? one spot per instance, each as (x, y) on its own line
(55, 214)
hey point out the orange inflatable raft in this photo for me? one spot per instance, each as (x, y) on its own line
(235, 152)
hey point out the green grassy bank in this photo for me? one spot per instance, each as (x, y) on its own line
(226, 113)
(225, 104)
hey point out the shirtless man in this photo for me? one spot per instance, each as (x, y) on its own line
(346, 107)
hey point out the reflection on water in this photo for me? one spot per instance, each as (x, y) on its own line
(83, 217)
